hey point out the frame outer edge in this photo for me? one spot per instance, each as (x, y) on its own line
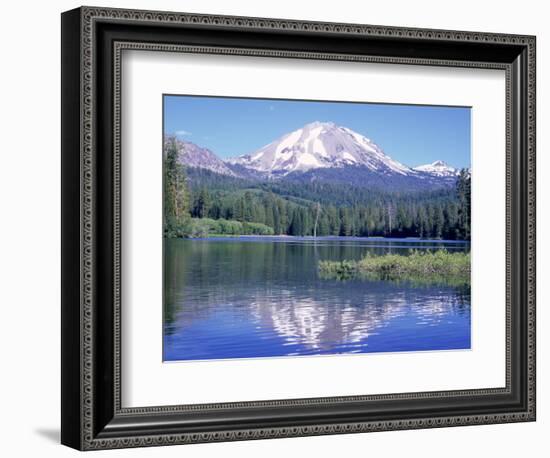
(295, 25)
(532, 225)
(88, 198)
(88, 15)
(71, 306)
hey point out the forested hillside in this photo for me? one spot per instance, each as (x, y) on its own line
(199, 202)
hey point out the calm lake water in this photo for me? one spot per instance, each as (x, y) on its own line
(253, 297)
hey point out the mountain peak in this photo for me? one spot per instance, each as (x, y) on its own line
(438, 168)
(312, 125)
(320, 145)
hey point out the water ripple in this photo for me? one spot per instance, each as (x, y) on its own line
(246, 300)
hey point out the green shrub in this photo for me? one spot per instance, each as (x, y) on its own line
(417, 266)
(205, 227)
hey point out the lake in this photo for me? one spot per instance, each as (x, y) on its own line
(256, 297)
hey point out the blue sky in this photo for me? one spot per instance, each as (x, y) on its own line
(411, 134)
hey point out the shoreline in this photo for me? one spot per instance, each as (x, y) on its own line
(324, 237)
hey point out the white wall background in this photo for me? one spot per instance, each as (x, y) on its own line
(30, 240)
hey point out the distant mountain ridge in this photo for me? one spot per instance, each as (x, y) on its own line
(322, 151)
(438, 168)
(192, 155)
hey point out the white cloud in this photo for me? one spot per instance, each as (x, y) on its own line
(182, 133)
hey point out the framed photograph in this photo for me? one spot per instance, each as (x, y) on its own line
(276, 228)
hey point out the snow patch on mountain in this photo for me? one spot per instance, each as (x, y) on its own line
(320, 145)
(439, 169)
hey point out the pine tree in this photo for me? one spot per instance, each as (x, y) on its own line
(346, 222)
(283, 216)
(422, 222)
(438, 221)
(247, 207)
(176, 193)
(306, 221)
(276, 218)
(296, 225)
(334, 220)
(463, 191)
(203, 203)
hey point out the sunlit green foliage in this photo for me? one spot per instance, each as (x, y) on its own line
(426, 267)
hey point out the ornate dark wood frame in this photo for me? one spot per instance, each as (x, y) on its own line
(92, 42)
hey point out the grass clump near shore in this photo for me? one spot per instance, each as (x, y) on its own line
(421, 267)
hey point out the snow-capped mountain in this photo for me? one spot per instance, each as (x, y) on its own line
(439, 169)
(192, 155)
(321, 145)
(322, 152)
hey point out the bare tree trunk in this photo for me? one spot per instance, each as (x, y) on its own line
(316, 220)
(176, 207)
